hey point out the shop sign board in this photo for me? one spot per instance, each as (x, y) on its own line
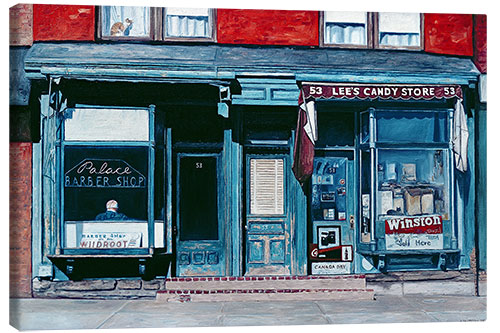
(110, 240)
(414, 233)
(104, 173)
(360, 91)
(330, 268)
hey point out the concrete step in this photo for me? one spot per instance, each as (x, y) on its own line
(242, 295)
(267, 282)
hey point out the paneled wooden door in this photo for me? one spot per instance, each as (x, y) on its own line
(268, 232)
(200, 235)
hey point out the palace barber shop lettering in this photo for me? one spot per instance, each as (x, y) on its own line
(104, 173)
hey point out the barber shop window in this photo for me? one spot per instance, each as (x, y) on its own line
(146, 23)
(106, 178)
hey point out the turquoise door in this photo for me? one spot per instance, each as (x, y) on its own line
(333, 214)
(200, 237)
(268, 233)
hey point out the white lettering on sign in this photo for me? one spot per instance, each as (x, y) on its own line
(330, 268)
(415, 225)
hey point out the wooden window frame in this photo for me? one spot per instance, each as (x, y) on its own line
(156, 29)
(152, 28)
(377, 45)
(369, 34)
(212, 21)
(372, 35)
(284, 207)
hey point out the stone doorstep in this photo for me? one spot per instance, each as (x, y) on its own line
(269, 284)
(263, 295)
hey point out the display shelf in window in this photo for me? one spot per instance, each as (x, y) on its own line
(406, 176)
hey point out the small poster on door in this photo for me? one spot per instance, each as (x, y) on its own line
(328, 237)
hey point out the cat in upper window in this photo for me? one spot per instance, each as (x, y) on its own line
(120, 29)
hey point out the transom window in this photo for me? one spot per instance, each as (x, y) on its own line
(145, 23)
(372, 30)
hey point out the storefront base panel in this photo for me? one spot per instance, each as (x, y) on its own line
(462, 282)
(97, 289)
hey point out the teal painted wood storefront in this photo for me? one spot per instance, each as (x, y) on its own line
(222, 199)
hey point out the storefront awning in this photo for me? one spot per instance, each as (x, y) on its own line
(144, 62)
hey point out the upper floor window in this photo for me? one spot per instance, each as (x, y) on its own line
(398, 30)
(345, 28)
(145, 23)
(372, 30)
(188, 22)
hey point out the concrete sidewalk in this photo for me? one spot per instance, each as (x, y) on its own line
(36, 314)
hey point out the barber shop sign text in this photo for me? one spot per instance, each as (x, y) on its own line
(104, 173)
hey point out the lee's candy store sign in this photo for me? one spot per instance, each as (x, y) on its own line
(414, 233)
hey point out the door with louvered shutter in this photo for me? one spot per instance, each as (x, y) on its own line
(267, 220)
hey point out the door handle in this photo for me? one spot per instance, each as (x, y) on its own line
(351, 221)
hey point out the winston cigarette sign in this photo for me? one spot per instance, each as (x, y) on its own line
(414, 233)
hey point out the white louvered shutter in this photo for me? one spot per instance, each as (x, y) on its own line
(266, 186)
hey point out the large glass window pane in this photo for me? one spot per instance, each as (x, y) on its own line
(412, 127)
(95, 175)
(412, 183)
(335, 129)
(399, 29)
(103, 124)
(345, 28)
(187, 22)
(198, 212)
(125, 21)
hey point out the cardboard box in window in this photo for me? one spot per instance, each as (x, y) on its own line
(419, 201)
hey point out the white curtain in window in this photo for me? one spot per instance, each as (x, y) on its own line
(187, 22)
(345, 28)
(126, 21)
(399, 29)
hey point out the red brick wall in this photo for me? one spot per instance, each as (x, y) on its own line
(20, 155)
(480, 42)
(448, 34)
(21, 25)
(267, 27)
(63, 22)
